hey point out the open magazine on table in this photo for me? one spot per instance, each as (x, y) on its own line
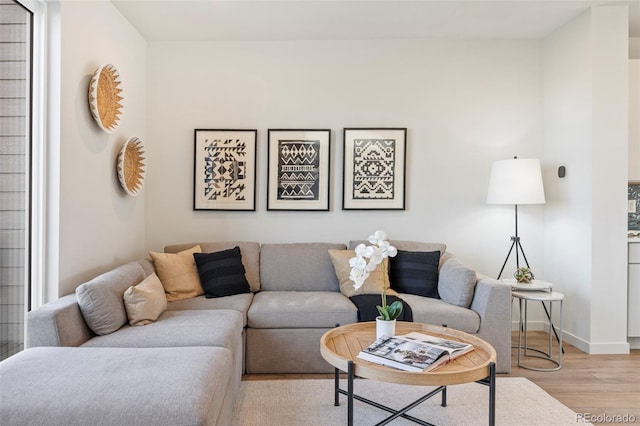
(414, 351)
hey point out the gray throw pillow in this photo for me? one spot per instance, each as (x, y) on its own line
(456, 283)
(101, 299)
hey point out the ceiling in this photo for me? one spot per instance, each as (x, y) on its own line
(229, 20)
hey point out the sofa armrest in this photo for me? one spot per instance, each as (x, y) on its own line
(57, 323)
(492, 301)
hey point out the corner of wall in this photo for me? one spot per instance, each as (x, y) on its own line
(634, 47)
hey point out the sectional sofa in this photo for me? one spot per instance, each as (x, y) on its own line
(84, 360)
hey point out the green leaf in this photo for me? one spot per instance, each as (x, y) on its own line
(395, 309)
(383, 313)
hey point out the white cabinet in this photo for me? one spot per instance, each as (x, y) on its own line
(634, 290)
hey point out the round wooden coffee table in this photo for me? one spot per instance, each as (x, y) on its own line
(341, 345)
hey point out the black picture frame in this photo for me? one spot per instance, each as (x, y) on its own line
(298, 165)
(374, 168)
(224, 171)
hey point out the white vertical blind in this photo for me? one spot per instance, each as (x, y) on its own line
(14, 149)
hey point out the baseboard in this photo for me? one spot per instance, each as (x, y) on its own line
(576, 341)
(612, 348)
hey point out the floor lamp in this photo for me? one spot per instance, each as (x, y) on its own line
(516, 181)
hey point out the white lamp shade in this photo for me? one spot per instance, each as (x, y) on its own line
(516, 181)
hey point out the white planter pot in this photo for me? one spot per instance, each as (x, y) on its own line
(385, 328)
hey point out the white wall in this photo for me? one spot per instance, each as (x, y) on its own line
(100, 226)
(634, 119)
(610, 149)
(465, 104)
(634, 47)
(586, 113)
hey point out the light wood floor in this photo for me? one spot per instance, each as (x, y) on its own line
(596, 384)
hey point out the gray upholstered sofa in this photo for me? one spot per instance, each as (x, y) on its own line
(276, 328)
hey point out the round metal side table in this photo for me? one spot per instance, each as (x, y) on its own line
(538, 296)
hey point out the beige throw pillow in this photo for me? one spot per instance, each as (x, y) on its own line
(178, 273)
(146, 301)
(372, 285)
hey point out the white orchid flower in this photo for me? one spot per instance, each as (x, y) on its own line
(376, 257)
(376, 253)
(360, 270)
(391, 251)
(360, 250)
(378, 238)
(358, 262)
(358, 276)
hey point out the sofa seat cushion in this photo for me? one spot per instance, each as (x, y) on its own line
(221, 328)
(435, 311)
(237, 302)
(300, 309)
(114, 386)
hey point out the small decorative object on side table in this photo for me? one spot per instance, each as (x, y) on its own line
(535, 285)
(523, 275)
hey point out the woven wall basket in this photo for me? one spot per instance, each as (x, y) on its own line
(131, 166)
(105, 96)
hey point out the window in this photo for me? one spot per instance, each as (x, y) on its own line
(16, 54)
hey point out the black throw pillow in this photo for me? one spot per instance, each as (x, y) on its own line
(415, 272)
(367, 311)
(222, 273)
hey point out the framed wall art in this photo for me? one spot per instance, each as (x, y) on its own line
(374, 169)
(225, 169)
(298, 168)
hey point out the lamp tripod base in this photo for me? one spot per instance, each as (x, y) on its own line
(515, 243)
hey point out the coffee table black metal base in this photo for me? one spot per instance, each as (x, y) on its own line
(489, 381)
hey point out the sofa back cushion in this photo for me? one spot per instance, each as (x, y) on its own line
(101, 299)
(298, 267)
(456, 282)
(406, 245)
(250, 256)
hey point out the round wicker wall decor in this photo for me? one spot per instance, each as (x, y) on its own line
(131, 166)
(105, 98)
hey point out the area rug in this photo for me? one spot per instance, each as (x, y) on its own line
(310, 402)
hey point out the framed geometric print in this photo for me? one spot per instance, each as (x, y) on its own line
(374, 169)
(298, 167)
(225, 169)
